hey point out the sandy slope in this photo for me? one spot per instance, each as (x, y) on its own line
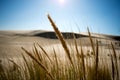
(12, 41)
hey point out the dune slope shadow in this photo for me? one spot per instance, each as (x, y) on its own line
(115, 37)
(52, 35)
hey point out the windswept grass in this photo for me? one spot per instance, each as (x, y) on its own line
(75, 65)
(60, 37)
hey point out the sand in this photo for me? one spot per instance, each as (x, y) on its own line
(12, 41)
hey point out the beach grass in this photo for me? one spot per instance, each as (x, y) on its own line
(75, 65)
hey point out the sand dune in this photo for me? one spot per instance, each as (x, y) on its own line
(12, 41)
(51, 34)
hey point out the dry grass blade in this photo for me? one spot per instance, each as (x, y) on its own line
(25, 60)
(14, 63)
(113, 69)
(56, 60)
(91, 41)
(115, 58)
(60, 37)
(29, 72)
(78, 55)
(40, 64)
(45, 53)
(37, 53)
(83, 63)
(96, 61)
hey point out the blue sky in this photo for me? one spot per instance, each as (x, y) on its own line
(101, 16)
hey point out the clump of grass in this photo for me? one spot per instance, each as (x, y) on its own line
(102, 73)
(39, 63)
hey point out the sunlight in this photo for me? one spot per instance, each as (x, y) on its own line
(61, 1)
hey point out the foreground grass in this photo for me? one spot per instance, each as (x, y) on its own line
(39, 65)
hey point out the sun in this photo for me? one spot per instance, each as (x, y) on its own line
(61, 1)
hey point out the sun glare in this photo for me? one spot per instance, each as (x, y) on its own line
(62, 1)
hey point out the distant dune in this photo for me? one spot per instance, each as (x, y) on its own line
(66, 35)
(52, 35)
(12, 41)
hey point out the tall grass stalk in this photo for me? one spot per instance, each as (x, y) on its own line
(97, 61)
(116, 62)
(91, 41)
(83, 64)
(113, 69)
(60, 37)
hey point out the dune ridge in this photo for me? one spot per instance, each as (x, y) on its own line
(52, 35)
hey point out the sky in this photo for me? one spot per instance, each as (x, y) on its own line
(101, 16)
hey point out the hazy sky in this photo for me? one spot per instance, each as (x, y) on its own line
(101, 16)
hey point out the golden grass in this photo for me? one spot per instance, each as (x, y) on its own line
(97, 60)
(116, 62)
(60, 37)
(39, 65)
(91, 41)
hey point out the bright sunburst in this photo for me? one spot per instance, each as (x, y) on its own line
(61, 1)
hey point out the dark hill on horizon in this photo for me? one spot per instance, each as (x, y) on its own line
(66, 35)
(52, 35)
